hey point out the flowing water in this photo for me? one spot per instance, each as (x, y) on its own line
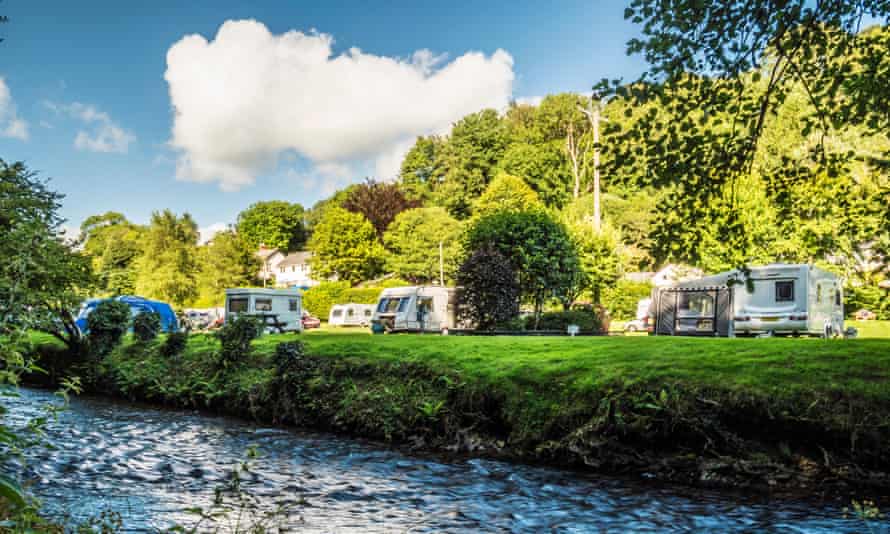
(152, 465)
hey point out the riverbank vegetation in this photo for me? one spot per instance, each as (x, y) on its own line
(788, 414)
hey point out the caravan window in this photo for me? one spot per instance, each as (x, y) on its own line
(262, 304)
(403, 304)
(368, 312)
(392, 305)
(238, 305)
(336, 313)
(350, 312)
(696, 304)
(293, 305)
(381, 306)
(819, 293)
(837, 297)
(785, 291)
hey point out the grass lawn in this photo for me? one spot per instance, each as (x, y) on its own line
(767, 366)
(871, 329)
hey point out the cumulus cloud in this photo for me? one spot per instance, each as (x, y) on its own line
(247, 96)
(10, 124)
(206, 233)
(529, 100)
(102, 133)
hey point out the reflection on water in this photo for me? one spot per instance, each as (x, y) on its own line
(150, 465)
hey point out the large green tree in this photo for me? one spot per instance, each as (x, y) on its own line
(468, 160)
(227, 261)
(506, 193)
(413, 244)
(538, 248)
(345, 246)
(275, 224)
(114, 244)
(168, 266)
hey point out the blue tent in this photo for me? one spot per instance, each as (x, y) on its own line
(137, 305)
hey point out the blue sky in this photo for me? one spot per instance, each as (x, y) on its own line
(86, 81)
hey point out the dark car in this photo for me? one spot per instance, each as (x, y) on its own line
(310, 321)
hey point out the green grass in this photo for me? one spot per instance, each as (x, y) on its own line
(871, 329)
(770, 366)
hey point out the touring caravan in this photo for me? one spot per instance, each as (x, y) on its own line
(351, 314)
(415, 309)
(777, 299)
(278, 308)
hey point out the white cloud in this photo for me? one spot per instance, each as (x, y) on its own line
(102, 133)
(10, 124)
(206, 233)
(248, 96)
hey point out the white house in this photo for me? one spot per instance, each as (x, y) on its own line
(286, 270)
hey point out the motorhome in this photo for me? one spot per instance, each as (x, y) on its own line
(415, 309)
(351, 314)
(280, 309)
(776, 299)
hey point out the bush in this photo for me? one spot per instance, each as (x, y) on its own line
(489, 289)
(589, 322)
(621, 300)
(867, 297)
(107, 325)
(146, 326)
(174, 344)
(235, 337)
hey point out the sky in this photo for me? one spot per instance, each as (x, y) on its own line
(207, 107)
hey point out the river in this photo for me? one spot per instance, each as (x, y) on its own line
(150, 465)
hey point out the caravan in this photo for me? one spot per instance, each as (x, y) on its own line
(351, 314)
(279, 309)
(415, 309)
(773, 299)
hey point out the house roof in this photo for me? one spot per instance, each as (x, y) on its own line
(295, 258)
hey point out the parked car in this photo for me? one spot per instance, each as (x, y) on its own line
(309, 321)
(865, 315)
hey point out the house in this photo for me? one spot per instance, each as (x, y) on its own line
(286, 270)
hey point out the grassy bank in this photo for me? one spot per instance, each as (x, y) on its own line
(741, 412)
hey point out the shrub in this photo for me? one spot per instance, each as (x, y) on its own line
(589, 322)
(319, 299)
(489, 289)
(621, 300)
(174, 344)
(869, 297)
(146, 326)
(235, 337)
(107, 325)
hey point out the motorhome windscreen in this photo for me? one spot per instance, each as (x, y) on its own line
(238, 305)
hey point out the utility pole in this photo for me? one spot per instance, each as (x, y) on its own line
(441, 266)
(593, 114)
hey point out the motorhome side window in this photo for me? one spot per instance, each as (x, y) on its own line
(262, 304)
(784, 291)
(293, 305)
(238, 305)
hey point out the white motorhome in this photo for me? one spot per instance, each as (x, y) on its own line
(280, 309)
(351, 314)
(773, 299)
(415, 309)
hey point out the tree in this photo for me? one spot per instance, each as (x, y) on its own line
(419, 170)
(538, 249)
(226, 261)
(543, 167)
(275, 224)
(168, 265)
(413, 241)
(379, 202)
(560, 118)
(42, 278)
(114, 244)
(489, 288)
(346, 247)
(468, 160)
(506, 193)
(598, 256)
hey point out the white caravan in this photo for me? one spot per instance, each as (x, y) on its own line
(415, 309)
(351, 314)
(280, 309)
(777, 299)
